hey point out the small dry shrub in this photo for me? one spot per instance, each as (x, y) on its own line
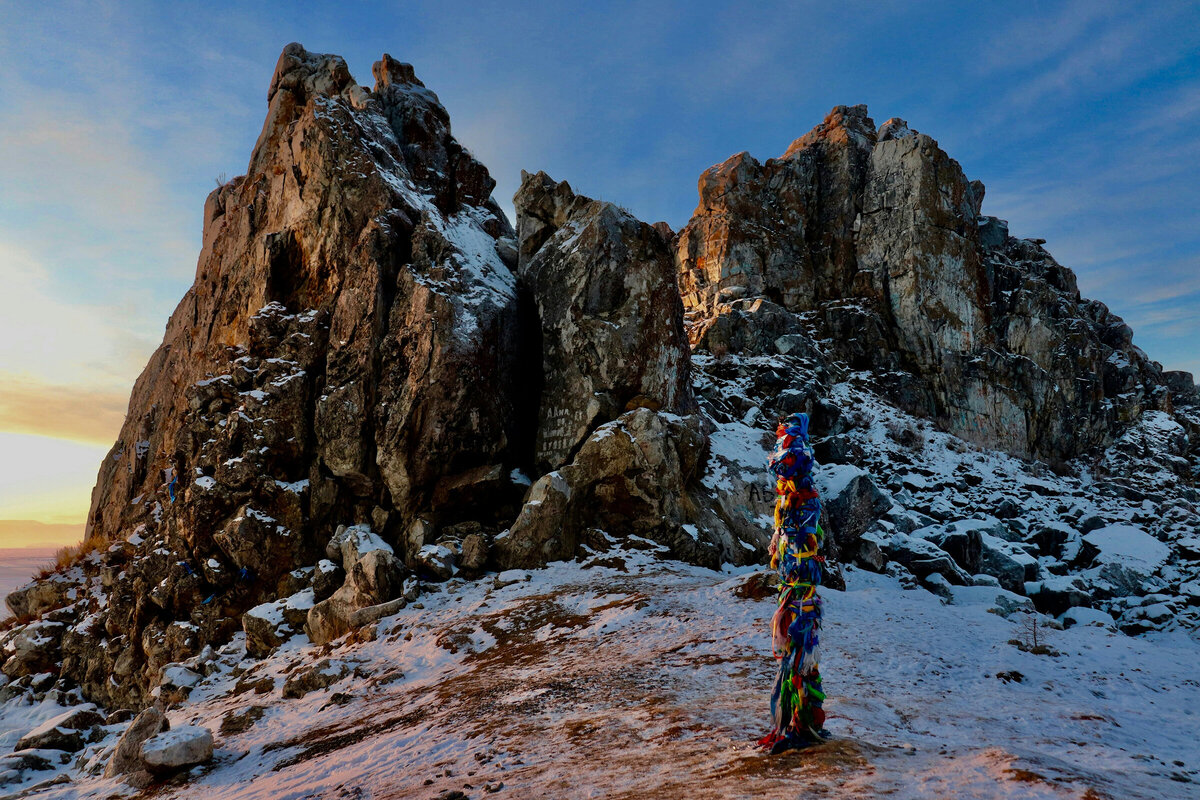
(905, 434)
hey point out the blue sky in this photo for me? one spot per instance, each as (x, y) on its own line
(1083, 120)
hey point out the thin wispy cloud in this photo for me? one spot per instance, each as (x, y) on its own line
(63, 411)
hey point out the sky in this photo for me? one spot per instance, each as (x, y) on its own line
(117, 119)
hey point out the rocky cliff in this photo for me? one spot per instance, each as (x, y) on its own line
(877, 237)
(376, 385)
(370, 350)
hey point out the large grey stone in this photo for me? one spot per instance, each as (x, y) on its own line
(127, 756)
(852, 503)
(67, 731)
(177, 748)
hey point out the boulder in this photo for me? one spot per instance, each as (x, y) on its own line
(177, 748)
(35, 598)
(609, 311)
(376, 576)
(851, 503)
(13, 766)
(1055, 594)
(1082, 615)
(365, 616)
(635, 476)
(1126, 556)
(373, 576)
(36, 648)
(67, 731)
(937, 583)
(435, 560)
(331, 618)
(127, 756)
(871, 554)
(961, 541)
(1152, 616)
(1058, 540)
(474, 553)
(922, 558)
(269, 625)
(351, 542)
(1007, 562)
(539, 534)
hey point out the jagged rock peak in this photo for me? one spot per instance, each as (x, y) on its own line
(842, 125)
(305, 73)
(543, 205)
(353, 294)
(894, 128)
(388, 70)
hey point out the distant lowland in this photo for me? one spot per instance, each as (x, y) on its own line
(25, 547)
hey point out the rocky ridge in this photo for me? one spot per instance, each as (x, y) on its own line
(377, 384)
(878, 238)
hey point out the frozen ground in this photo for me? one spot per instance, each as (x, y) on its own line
(629, 676)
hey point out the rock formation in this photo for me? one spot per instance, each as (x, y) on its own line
(346, 355)
(376, 384)
(878, 237)
(368, 348)
(609, 311)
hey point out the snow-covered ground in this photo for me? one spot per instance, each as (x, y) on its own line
(629, 674)
(632, 676)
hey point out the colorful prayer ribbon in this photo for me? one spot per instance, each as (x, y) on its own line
(796, 700)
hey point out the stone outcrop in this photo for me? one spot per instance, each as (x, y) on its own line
(851, 503)
(635, 476)
(177, 748)
(877, 238)
(374, 576)
(347, 351)
(370, 348)
(127, 756)
(68, 731)
(611, 320)
(360, 256)
(35, 648)
(783, 230)
(37, 598)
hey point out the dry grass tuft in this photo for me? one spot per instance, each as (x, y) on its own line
(68, 556)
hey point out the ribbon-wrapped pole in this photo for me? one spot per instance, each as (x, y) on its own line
(796, 714)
